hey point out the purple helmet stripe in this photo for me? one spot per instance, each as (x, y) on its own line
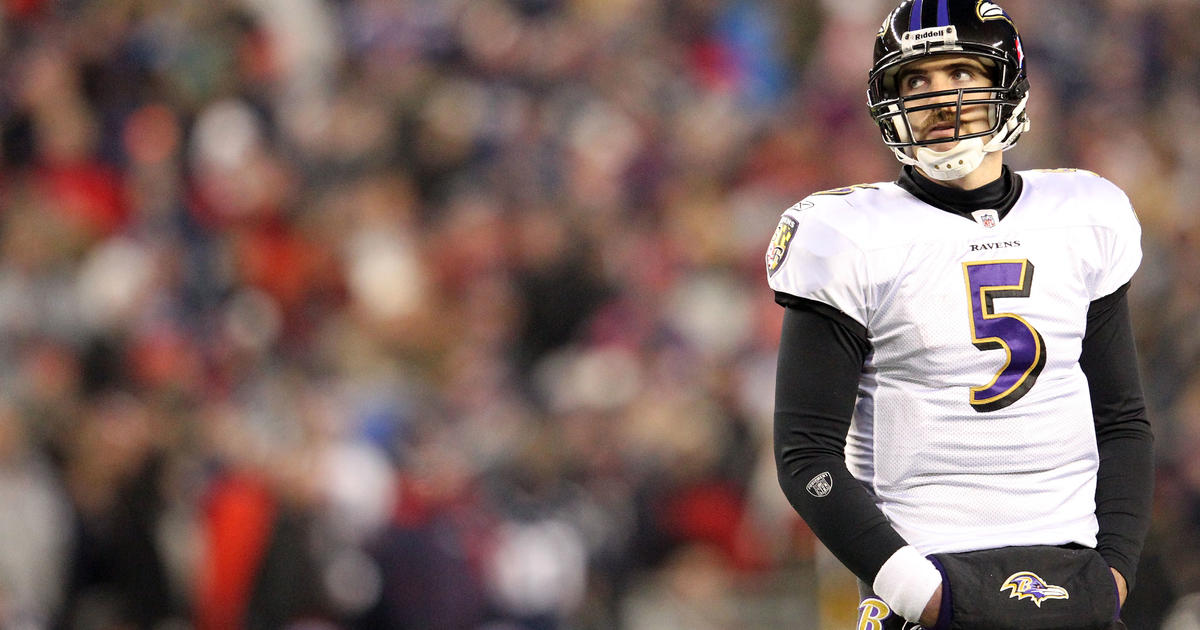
(943, 13)
(914, 20)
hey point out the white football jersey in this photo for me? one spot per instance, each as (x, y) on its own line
(973, 425)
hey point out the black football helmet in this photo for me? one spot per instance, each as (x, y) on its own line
(919, 29)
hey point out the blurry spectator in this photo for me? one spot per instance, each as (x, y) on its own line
(35, 522)
(114, 470)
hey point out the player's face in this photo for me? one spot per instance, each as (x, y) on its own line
(937, 74)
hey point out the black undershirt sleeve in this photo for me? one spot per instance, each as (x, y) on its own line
(821, 356)
(1125, 482)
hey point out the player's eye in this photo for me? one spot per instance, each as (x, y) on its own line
(962, 74)
(915, 82)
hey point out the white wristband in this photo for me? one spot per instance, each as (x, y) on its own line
(906, 582)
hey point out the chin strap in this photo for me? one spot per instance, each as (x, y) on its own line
(968, 154)
(947, 165)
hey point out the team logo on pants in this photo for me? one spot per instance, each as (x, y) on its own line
(1027, 584)
(874, 614)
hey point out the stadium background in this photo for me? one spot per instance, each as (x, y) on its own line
(452, 313)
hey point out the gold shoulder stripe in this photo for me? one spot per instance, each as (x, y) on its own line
(846, 190)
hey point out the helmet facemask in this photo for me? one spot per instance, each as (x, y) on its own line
(1006, 120)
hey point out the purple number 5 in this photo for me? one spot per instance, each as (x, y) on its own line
(990, 330)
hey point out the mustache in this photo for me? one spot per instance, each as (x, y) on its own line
(946, 117)
(940, 118)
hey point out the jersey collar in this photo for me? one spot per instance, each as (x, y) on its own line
(999, 195)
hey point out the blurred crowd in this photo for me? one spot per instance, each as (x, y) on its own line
(452, 314)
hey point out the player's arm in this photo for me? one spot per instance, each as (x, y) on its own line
(1125, 482)
(821, 356)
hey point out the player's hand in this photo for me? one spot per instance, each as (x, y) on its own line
(1122, 588)
(930, 616)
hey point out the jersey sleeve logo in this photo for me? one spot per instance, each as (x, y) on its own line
(820, 485)
(777, 251)
(1029, 585)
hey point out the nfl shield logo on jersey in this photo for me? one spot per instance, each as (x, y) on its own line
(986, 218)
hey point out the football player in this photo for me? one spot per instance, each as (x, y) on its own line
(958, 412)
